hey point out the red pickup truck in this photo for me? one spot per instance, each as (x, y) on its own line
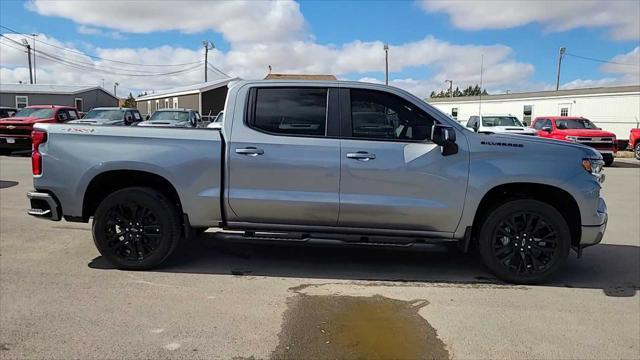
(634, 142)
(578, 130)
(15, 132)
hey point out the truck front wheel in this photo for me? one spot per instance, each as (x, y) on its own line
(524, 241)
(136, 228)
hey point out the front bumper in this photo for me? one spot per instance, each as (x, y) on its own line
(593, 234)
(15, 143)
(43, 206)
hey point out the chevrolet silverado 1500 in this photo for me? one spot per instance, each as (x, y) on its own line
(331, 162)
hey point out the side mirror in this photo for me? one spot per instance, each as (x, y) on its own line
(147, 117)
(547, 129)
(215, 125)
(193, 121)
(128, 119)
(445, 136)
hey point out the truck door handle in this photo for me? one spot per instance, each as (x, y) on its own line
(361, 155)
(250, 151)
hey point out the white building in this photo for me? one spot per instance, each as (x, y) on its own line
(616, 109)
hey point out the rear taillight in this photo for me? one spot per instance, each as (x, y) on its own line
(37, 137)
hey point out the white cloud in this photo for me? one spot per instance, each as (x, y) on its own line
(238, 21)
(625, 67)
(445, 60)
(88, 30)
(620, 17)
(626, 64)
(261, 34)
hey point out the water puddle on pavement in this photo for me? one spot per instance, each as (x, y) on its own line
(348, 327)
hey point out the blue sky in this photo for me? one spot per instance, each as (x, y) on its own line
(326, 31)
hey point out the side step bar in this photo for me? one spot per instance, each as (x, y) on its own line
(328, 239)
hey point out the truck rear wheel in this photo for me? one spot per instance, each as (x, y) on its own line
(524, 241)
(136, 228)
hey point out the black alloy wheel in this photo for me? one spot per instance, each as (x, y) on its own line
(136, 228)
(524, 241)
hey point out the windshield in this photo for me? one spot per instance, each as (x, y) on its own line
(575, 124)
(36, 113)
(500, 121)
(104, 115)
(170, 116)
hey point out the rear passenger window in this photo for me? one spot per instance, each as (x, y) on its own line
(379, 115)
(291, 111)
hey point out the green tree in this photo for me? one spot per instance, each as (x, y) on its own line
(130, 102)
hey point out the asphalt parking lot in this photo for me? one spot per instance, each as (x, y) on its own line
(59, 299)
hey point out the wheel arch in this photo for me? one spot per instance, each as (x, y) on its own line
(110, 181)
(560, 199)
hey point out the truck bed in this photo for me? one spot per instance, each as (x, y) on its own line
(190, 159)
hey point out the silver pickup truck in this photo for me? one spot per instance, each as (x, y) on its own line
(330, 162)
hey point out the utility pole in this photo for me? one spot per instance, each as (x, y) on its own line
(450, 88)
(386, 64)
(560, 54)
(35, 71)
(26, 44)
(480, 99)
(208, 45)
(115, 87)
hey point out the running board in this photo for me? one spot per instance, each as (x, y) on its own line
(327, 239)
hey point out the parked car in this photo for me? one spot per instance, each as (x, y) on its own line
(290, 164)
(6, 112)
(634, 142)
(113, 116)
(15, 132)
(499, 124)
(578, 130)
(174, 118)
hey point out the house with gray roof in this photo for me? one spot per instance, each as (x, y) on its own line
(82, 97)
(207, 97)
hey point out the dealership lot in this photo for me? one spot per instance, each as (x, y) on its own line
(59, 299)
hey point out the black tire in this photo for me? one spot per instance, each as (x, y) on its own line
(136, 228)
(637, 150)
(517, 257)
(608, 160)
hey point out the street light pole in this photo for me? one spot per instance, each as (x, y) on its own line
(386, 64)
(560, 54)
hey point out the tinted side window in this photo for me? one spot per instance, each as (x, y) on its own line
(291, 111)
(379, 115)
(72, 114)
(538, 124)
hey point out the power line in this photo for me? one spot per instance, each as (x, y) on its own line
(94, 68)
(599, 60)
(97, 57)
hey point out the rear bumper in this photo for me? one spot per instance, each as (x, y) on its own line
(44, 206)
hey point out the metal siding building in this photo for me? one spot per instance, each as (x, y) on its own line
(208, 98)
(84, 98)
(616, 109)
